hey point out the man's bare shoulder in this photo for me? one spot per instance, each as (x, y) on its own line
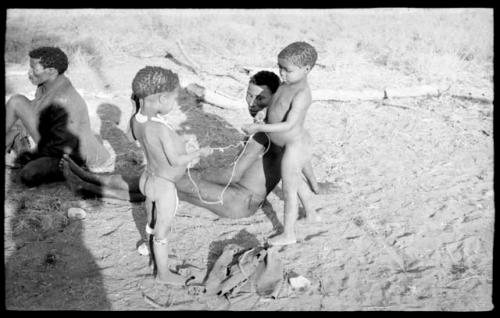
(68, 96)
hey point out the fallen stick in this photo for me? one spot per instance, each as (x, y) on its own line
(176, 61)
(216, 98)
(346, 95)
(472, 98)
(153, 303)
(373, 94)
(193, 65)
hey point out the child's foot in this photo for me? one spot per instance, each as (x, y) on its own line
(282, 239)
(315, 188)
(171, 278)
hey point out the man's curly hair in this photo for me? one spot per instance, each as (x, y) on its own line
(153, 80)
(51, 57)
(267, 78)
(300, 54)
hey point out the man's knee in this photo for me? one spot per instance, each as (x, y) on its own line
(42, 170)
(30, 176)
(16, 101)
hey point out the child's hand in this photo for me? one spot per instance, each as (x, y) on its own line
(250, 128)
(260, 116)
(206, 151)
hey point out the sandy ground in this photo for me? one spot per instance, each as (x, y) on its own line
(409, 226)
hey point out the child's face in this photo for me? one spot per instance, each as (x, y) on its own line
(258, 98)
(291, 73)
(168, 101)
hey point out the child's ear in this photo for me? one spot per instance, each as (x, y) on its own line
(163, 98)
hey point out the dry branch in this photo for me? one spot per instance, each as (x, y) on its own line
(226, 102)
(187, 57)
(373, 94)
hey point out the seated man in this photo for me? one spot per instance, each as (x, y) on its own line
(57, 120)
(255, 175)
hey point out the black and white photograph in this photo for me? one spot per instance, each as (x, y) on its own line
(258, 159)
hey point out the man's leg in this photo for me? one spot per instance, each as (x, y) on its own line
(115, 181)
(77, 185)
(114, 186)
(19, 107)
(237, 202)
(254, 150)
(41, 170)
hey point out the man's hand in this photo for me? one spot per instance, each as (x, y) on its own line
(250, 129)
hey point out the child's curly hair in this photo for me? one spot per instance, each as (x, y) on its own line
(153, 80)
(300, 54)
(51, 57)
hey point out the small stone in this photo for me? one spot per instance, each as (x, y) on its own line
(77, 213)
(299, 283)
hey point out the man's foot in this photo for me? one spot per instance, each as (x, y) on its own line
(171, 278)
(75, 169)
(74, 182)
(282, 239)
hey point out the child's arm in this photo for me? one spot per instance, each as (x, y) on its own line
(177, 158)
(297, 111)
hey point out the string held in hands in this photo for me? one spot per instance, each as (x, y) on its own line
(222, 149)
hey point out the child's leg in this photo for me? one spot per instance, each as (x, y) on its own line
(305, 196)
(311, 178)
(290, 173)
(165, 213)
(149, 214)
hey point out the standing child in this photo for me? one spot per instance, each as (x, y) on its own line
(285, 127)
(156, 90)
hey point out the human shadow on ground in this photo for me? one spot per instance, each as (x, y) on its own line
(129, 161)
(47, 265)
(243, 240)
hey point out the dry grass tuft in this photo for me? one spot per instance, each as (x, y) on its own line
(39, 216)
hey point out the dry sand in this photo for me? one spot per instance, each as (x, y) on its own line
(409, 227)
